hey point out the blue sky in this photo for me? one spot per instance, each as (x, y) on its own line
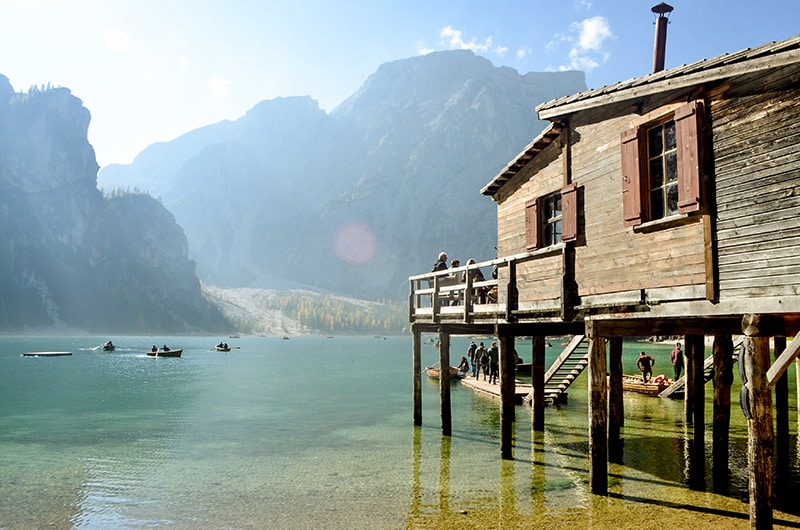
(151, 70)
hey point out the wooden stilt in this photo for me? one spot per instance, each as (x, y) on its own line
(417, 370)
(696, 345)
(444, 382)
(689, 387)
(782, 461)
(537, 380)
(616, 410)
(507, 388)
(760, 437)
(723, 379)
(598, 414)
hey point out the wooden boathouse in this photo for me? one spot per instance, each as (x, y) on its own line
(668, 204)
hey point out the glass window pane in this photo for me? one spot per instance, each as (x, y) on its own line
(669, 136)
(557, 230)
(672, 199)
(558, 205)
(657, 204)
(654, 141)
(656, 174)
(671, 161)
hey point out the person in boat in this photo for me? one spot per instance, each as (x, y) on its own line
(109, 344)
(165, 347)
(677, 360)
(645, 364)
(463, 367)
(154, 349)
(220, 345)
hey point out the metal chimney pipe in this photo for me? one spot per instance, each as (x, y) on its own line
(662, 12)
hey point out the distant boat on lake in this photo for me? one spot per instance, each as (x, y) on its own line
(46, 353)
(165, 353)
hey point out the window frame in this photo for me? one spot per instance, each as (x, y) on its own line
(536, 224)
(690, 144)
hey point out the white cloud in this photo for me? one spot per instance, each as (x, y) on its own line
(592, 32)
(219, 84)
(117, 39)
(523, 52)
(453, 39)
(586, 40)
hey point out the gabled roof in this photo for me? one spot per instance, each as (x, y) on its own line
(749, 60)
(544, 139)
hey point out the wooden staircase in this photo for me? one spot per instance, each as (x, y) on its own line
(565, 369)
(708, 372)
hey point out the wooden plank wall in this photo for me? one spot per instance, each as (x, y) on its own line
(538, 279)
(757, 163)
(616, 258)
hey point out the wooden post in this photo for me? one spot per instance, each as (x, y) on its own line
(760, 437)
(696, 345)
(723, 379)
(689, 386)
(507, 390)
(598, 414)
(616, 408)
(537, 380)
(782, 462)
(444, 382)
(416, 342)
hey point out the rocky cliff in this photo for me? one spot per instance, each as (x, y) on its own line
(357, 200)
(70, 258)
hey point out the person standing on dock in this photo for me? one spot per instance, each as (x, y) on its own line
(645, 364)
(473, 358)
(677, 361)
(483, 357)
(494, 363)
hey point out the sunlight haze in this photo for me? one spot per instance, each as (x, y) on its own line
(150, 71)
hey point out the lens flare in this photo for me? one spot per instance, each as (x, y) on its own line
(354, 243)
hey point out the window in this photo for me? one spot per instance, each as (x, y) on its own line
(668, 182)
(552, 219)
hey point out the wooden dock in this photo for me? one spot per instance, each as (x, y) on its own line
(521, 390)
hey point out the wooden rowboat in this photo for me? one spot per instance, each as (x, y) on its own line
(46, 353)
(222, 348)
(632, 383)
(433, 372)
(165, 353)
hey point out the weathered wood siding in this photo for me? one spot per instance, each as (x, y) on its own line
(757, 166)
(538, 279)
(617, 258)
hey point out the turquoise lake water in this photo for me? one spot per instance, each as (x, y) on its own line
(317, 433)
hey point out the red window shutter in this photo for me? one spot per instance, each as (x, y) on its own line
(569, 213)
(631, 178)
(531, 225)
(688, 125)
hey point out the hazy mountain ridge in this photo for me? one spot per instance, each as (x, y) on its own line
(274, 193)
(71, 258)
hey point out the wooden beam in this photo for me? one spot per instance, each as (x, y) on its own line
(598, 415)
(783, 362)
(507, 390)
(537, 381)
(782, 462)
(723, 379)
(760, 437)
(616, 406)
(444, 383)
(416, 342)
(770, 325)
(637, 327)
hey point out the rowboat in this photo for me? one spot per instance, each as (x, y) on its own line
(108, 346)
(46, 353)
(632, 383)
(222, 348)
(433, 372)
(165, 353)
